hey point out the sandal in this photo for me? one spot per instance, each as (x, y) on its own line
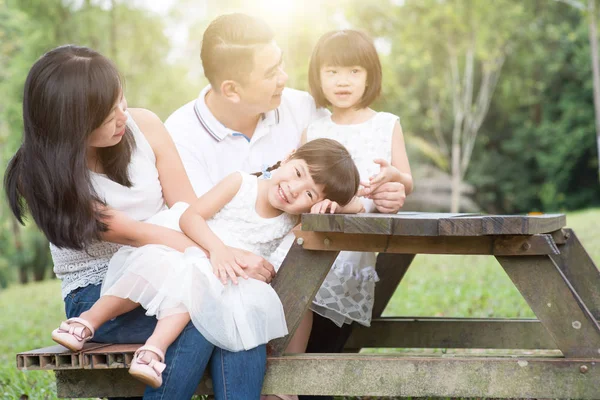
(149, 372)
(72, 337)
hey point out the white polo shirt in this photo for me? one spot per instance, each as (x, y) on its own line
(210, 151)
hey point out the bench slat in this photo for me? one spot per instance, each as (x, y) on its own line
(385, 375)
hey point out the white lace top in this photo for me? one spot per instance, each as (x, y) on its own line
(79, 268)
(347, 294)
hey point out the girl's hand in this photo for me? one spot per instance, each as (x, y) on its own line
(387, 173)
(355, 206)
(226, 265)
(322, 206)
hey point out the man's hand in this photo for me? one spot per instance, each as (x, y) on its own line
(388, 197)
(255, 266)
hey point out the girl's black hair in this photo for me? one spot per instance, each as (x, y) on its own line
(69, 92)
(331, 165)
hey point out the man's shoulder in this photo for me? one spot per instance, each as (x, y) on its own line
(182, 116)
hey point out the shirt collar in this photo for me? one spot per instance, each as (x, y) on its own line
(215, 128)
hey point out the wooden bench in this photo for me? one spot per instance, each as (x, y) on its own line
(545, 261)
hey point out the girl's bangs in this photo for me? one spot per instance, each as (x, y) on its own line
(340, 50)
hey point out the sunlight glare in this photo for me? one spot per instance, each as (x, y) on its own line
(275, 9)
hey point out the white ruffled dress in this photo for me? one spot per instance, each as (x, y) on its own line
(348, 292)
(166, 282)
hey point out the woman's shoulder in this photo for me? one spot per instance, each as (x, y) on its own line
(148, 122)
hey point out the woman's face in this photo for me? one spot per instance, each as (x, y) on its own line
(113, 127)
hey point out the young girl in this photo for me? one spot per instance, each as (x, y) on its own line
(240, 211)
(345, 74)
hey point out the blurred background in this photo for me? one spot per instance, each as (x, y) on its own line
(496, 100)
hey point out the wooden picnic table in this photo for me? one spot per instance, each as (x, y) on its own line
(544, 260)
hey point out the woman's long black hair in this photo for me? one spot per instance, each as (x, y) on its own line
(68, 93)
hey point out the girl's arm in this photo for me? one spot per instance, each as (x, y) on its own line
(193, 223)
(398, 170)
(174, 181)
(400, 159)
(125, 230)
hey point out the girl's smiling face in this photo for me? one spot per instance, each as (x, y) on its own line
(292, 189)
(343, 87)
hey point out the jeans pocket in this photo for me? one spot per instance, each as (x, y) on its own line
(81, 299)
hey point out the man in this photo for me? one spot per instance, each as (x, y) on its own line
(245, 120)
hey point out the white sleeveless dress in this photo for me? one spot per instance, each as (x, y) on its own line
(347, 294)
(166, 282)
(80, 268)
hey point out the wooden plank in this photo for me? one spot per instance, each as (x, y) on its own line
(113, 356)
(555, 304)
(108, 383)
(385, 375)
(466, 333)
(491, 245)
(297, 283)
(323, 222)
(470, 226)
(580, 270)
(402, 223)
(53, 357)
(378, 224)
(501, 225)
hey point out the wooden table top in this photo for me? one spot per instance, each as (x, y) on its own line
(433, 224)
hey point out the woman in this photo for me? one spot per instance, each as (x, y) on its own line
(90, 172)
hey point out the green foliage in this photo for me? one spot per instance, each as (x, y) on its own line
(536, 149)
(539, 152)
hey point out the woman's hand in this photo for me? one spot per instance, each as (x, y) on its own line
(226, 265)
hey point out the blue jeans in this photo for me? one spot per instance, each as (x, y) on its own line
(236, 376)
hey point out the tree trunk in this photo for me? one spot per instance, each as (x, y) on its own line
(456, 179)
(595, 71)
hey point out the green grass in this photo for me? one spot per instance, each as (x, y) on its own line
(29, 313)
(450, 286)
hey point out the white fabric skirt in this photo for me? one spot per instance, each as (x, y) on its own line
(166, 282)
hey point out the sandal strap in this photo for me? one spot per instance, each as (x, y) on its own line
(157, 366)
(153, 349)
(84, 323)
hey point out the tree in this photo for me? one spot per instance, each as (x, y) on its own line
(451, 53)
(593, 37)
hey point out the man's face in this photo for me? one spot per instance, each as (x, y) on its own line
(262, 92)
